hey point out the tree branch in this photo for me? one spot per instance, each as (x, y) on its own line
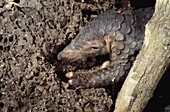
(150, 64)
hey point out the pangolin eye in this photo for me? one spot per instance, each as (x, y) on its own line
(94, 48)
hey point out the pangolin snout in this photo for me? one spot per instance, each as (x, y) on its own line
(68, 56)
(60, 56)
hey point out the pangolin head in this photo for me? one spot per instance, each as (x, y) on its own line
(83, 47)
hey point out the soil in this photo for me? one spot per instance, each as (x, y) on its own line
(31, 35)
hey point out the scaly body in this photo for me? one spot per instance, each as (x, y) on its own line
(120, 34)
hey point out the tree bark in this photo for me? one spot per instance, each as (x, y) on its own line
(150, 64)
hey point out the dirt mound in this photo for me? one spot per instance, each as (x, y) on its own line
(31, 35)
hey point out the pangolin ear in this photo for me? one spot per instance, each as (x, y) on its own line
(108, 41)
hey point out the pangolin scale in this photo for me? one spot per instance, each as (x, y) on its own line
(117, 33)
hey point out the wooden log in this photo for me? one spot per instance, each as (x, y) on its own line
(150, 64)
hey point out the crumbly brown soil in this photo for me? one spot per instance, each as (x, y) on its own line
(31, 77)
(31, 36)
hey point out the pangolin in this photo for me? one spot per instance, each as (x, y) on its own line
(117, 33)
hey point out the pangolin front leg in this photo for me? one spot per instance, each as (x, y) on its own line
(119, 34)
(96, 78)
